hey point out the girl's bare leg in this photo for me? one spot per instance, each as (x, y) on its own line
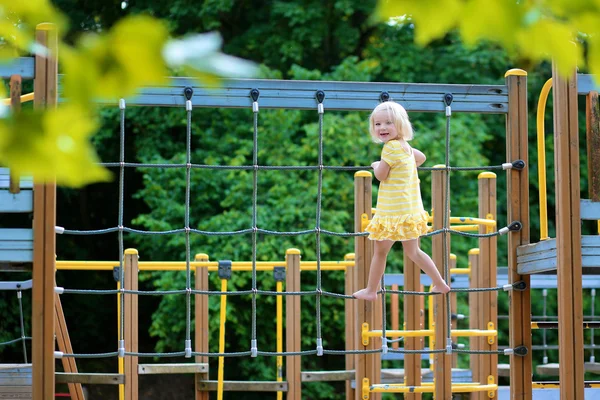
(419, 257)
(381, 250)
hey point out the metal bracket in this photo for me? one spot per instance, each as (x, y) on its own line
(224, 269)
(117, 274)
(279, 274)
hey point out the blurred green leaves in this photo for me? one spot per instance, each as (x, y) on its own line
(538, 31)
(135, 52)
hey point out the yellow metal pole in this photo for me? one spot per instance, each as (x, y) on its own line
(279, 337)
(121, 363)
(222, 340)
(541, 148)
(24, 98)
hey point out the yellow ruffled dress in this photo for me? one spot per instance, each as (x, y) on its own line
(400, 214)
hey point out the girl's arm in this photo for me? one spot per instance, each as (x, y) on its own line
(419, 157)
(381, 169)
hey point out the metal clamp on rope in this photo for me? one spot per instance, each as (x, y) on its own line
(448, 101)
(319, 347)
(254, 93)
(384, 348)
(188, 349)
(188, 92)
(320, 95)
(122, 104)
(279, 274)
(448, 346)
(507, 287)
(519, 286)
(253, 348)
(224, 269)
(384, 96)
(514, 227)
(518, 165)
(508, 352)
(458, 316)
(521, 351)
(59, 230)
(58, 354)
(121, 349)
(59, 290)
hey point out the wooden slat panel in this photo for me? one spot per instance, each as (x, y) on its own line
(244, 386)
(590, 210)
(187, 368)
(16, 203)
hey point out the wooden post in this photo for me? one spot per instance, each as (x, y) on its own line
(518, 210)
(15, 105)
(487, 278)
(44, 240)
(474, 316)
(443, 361)
(130, 308)
(413, 317)
(593, 144)
(395, 313)
(64, 345)
(365, 310)
(568, 236)
(349, 288)
(293, 331)
(201, 321)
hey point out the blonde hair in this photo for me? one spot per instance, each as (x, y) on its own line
(397, 115)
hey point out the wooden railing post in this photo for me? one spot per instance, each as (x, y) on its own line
(568, 236)
(443, 361)
(474, 315)
(293, 331)
(517, 187)
(349, 288)
(130, 308)
(44, 239)
(413, 318)
(201, 322)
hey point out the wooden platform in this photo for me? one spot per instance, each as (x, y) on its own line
(553, 368)
(541, 257)
(15, 381)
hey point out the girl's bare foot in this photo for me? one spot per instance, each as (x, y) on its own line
(364, 294)
(441, 289)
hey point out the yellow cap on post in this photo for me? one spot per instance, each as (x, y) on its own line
(293, 251)
(486, 175)
(473, 251)
(515, 72)
(131, 251)
(362, 174)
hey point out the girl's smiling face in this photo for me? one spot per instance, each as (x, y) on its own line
(384, 127)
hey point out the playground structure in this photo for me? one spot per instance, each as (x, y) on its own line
(508, 99)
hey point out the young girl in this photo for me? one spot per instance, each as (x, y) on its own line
(400, 214)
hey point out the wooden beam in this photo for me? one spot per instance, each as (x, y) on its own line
(475, 304)
(44, 223)
(518, 210)
(90, 379)
(350, 343)
(593, 144)
(244, 386)
(185, 368)
(130, 308)
(64, 345)
(568, 236)
(413, 314)
(443, 361)
(15, 105)
(293, 331)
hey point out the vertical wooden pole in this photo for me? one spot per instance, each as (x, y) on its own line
(395, 314)
(413, 316)
(518, 210)
(64, 345)
(487, 279)
(130, 307)
(593, 144)
(293, 332)
(350, 287)
(15, 105)
(201, 321)
(365, 310)
(474, 316)
(568, 236)
(44, 240)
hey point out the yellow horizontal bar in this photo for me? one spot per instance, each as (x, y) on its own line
(460, 271)
(24, 98)
(211, 265)
(429, 332)
(456, 388)
(468, 220)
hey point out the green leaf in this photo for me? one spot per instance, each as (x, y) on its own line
(52, 145)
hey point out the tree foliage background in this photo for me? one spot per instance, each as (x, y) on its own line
(309, 39)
